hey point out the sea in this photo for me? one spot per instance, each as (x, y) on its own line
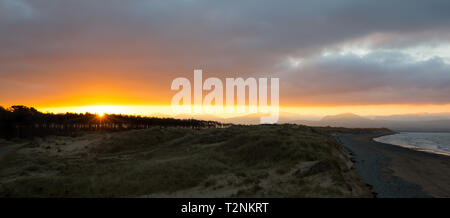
(435, 142)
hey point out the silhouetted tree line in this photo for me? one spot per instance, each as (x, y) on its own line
(27, 122)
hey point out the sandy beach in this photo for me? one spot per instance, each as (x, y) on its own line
(394, 171)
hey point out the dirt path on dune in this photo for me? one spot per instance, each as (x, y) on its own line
(394, 171)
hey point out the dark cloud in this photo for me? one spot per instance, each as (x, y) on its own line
(377, 78)
(158, 40)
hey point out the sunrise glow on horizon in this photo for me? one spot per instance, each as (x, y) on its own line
(308, 111)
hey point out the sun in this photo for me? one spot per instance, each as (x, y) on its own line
(102, 110)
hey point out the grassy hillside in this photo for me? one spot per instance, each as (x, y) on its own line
(239, 161)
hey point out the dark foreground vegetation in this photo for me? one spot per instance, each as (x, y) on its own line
(27, 122)
(237, 161)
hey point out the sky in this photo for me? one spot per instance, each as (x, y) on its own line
(362, 56)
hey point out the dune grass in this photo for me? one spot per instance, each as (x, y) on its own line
(239, 161)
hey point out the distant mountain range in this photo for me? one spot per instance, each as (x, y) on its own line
(403, 122)
(249, 119)
(397, 123)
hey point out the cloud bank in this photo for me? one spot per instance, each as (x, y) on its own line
(325, 52)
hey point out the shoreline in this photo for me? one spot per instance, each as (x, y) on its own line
(411, 146)
(395, 171)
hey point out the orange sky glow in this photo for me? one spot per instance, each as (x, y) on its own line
(120, 57)
(165, 110)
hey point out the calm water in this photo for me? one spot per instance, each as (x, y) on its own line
(428, 141)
